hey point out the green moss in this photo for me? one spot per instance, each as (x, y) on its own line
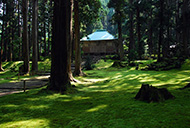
(105, 99)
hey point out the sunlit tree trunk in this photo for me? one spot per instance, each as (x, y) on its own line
(69, 39)
(78, 70)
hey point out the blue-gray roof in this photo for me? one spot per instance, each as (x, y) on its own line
(99, 35)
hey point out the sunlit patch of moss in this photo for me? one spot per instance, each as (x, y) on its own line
(97, 108)
(32, 123)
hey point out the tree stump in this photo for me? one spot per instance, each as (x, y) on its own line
(152, 94)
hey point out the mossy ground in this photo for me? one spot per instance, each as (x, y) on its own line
(105, 99)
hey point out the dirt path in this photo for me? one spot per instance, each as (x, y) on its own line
(16, 87)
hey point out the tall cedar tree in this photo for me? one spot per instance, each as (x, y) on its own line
(35, 36)
(78, 70)
(118, 5)
(26, 66)
(161, 29)
(185, 27)
(59, 80)
(69, 40)
(131, 30)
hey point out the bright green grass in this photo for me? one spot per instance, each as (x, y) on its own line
(105, 99)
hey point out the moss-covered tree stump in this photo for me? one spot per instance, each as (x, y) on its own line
(149, 94)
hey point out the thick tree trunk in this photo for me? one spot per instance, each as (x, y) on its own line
(26, 67)
(78, 70)
(59, 66)
(185, 28)
(35, 36)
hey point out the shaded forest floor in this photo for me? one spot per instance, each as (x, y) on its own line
(104, 99)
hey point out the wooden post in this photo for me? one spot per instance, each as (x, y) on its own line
(18, 76)
(24, 84)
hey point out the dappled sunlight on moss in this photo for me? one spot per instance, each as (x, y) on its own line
(33, 107)
(105, 98)
(99, 107)
(26, 123)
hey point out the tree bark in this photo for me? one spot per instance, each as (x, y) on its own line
(140, 47)
(150, 34)
(69, 38)
(59, 80)
(78, 70)
(2, 41)
(26, 67)
(35, 36)
(121, 50)
(185, 28)
(131, 31)
(19, 33)
(161, 30)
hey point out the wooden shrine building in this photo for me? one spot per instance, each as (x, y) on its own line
(99, 42)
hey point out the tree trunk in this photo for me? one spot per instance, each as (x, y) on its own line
(19, 33)
(35, 36)
(177, 21)
(26, 67)
(59, 81)
(131, 38)
(120, 43)
(140, 47)
(69, 38)
(161, 29)
(165, 50)
(150, 34)
(45, 42)
(78, 70)
(2, 42)
(185, 28)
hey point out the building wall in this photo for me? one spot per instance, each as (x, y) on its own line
(99, 47)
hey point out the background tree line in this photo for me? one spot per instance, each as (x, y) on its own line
(26, 28)
(153, 27)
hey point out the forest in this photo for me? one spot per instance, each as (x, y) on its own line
(48, 80)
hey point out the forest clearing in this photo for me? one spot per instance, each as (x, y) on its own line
(104, 98)
(94, 63)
